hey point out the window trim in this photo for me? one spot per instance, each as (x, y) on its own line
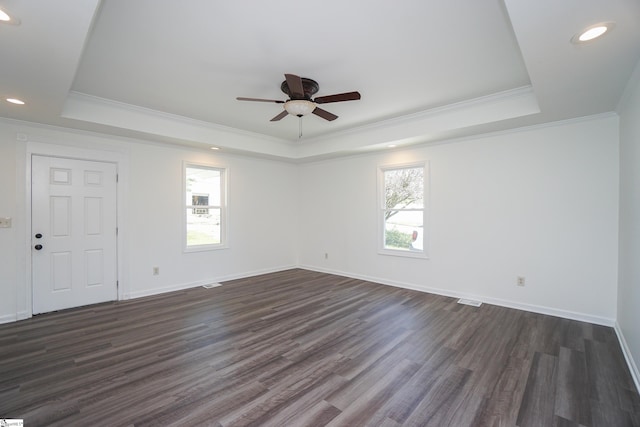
(381, 208)
(224, 207)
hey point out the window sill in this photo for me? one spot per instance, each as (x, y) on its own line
(403, 254)
(204, 248)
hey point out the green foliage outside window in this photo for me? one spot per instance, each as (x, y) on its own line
(397, 240)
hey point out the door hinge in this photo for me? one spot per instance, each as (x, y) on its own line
(116, 231)
(117, 177)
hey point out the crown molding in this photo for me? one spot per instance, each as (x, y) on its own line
(408, 129)
(93, 109)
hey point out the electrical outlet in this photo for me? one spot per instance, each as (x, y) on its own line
(156, 271)
(5, 222)
(520, 281)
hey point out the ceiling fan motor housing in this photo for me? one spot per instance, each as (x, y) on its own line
(309, 86)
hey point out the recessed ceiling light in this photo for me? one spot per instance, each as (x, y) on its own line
(592, 32)
(392, 146)
(215, 148)
(5, 18)
(15, 101)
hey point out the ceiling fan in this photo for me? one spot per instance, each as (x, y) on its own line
(300, 90)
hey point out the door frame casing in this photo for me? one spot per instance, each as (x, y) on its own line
(25, 298)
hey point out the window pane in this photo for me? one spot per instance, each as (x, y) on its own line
(403, 230)
(203, 226)
(404, 188)
(203, 186)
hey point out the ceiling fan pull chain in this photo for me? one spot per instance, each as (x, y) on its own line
(300, 127)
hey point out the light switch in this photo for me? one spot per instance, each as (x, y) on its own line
(5, 222)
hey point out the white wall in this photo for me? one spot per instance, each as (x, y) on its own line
(540, 203)
(262, 214)
(262, 219)
(8, 258)
(629, 269)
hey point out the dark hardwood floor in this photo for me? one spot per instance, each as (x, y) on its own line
(300, 348)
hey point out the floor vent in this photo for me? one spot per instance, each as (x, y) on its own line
(211, 285)
(469, 302)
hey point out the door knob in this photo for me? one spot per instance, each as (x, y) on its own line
(38, 247)
(38, 236)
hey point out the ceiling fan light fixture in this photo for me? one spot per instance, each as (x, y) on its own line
(300, 103)
(299, 107)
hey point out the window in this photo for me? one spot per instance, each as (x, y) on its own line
(402, 210)
(205, 213)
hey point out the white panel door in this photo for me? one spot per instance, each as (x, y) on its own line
(73, 220)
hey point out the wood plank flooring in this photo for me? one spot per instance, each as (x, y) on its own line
(301, 348)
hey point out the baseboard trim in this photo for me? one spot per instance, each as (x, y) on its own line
(166, 289)
(635, 374)
(583, 317)
(7, 318)
(254, 273)
(598, 320)
(183, 286)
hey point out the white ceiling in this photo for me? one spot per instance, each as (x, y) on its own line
(427, 70)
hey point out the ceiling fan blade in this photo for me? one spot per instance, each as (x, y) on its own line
(240, 98)
(279, 116)
(296, 90)
(324, 114)
(347, 96)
